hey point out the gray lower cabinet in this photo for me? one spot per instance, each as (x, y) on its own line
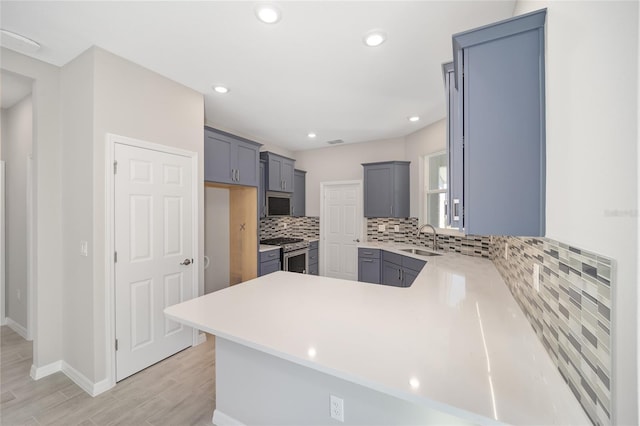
(398, 270)
(299, 193)
(279, 172)
(386, 189)
(269, 262)
(230, 159)
(497, 128)
(369, 266)
(314, 258)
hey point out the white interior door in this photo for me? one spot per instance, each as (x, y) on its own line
(341, 229)
(154, 267)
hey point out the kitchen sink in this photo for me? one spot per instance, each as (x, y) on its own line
(420, 252)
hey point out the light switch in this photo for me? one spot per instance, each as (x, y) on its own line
(381, 227)
(84, 248)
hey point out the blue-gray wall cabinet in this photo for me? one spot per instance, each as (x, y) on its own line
(279, 172)
(386, 189)
(299, 193)
(369, 270)
(499, 96)
(262, 199)
(230, 159)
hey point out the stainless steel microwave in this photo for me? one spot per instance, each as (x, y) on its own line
(278, 203)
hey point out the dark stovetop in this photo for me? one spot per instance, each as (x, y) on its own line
(281, 241)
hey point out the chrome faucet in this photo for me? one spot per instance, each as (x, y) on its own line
(435, 234)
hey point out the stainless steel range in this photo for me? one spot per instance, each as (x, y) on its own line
(294, 253)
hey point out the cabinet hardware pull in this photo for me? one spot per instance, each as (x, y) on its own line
(391, 209)
(399, 274)
(456, 209)
(367, 252)
(368, 260)
(238, 175)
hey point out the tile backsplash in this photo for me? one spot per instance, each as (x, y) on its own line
(407, 228)
(296, 227)
(571, 313)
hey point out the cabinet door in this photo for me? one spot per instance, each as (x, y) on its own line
(378, 191)
(218, 157)
(391, 274)
(269, 267)
(313, 256)
(369, 270)
(287, 173)
(247, 164)
(262, 206)
(313, 269)
(299, 193)
(274, 173)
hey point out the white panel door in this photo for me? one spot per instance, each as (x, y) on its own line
(153, 242)
(343, 226)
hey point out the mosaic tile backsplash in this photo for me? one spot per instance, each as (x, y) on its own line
(296, 227)
(571, 314)
(469, 245)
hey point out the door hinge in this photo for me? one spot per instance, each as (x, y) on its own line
(116, 344)
(115, 167)
(115, 256)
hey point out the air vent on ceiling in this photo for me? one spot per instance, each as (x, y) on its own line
(334, 142)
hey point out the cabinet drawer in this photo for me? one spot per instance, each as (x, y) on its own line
(371, 253)
(269, 266)
(270, 255)
(369, 270)
(313, 256)
(392, 257)
(313, 269)
(413, 264)
(313, 245)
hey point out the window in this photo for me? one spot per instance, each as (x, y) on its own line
(435, 190)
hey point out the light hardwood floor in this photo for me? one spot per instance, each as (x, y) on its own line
(177, 391)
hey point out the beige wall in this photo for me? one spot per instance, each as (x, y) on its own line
(592, 156)
(17, 129)
(47, 206)
(343, 162)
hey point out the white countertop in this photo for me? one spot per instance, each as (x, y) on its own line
(266, 247)
(456, 333)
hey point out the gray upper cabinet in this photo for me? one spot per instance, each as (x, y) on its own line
(230, 159)
(262, 200)
(497, 128)
(279, 172)
(299, 192)
(386, 189)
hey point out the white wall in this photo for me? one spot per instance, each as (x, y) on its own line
(592, 156)
(216, 244)
(132, 101)
(47, 206)
(17, 139)
(342, 162)
(76, 101)
(428, 140)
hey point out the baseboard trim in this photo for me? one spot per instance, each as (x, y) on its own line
(22, 331)
(85, 384)
(221, 419)
(38, 373)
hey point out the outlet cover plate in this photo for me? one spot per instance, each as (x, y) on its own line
(337, 408)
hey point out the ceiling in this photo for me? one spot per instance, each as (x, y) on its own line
(310, 72)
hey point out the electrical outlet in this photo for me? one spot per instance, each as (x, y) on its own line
(506, 251)
(396, 228)
(337, 408)
(284, 226)
(381, 228)
(536, 277)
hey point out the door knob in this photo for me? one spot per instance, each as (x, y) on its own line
(186, 262)
(357, 240)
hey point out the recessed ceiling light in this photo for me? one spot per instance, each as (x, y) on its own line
(16, 41)
(311, 135)
(414, 118)
(374, 38)
(220, 89)
(268, 13)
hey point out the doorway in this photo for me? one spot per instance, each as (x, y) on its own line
(340, 228)
(155, 250)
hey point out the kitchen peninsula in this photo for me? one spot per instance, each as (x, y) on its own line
(454, 348)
